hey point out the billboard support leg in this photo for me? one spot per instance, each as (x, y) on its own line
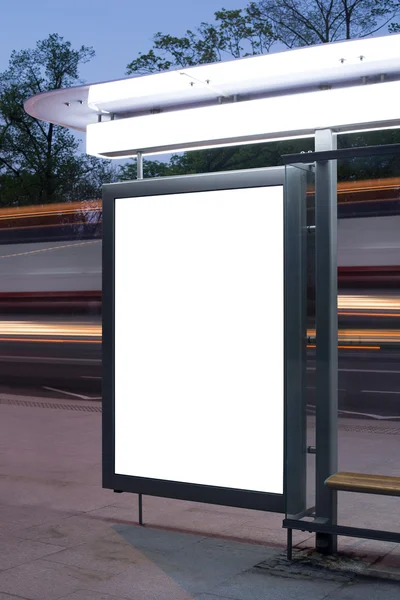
(140, 507)
(327, 336)
(289, 544)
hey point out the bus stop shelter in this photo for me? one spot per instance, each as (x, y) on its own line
(204, 276)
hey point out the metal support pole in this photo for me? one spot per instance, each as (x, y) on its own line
(140, 506)
(326, 337)
(139, 174)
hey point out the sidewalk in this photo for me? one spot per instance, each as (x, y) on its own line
(64, 537)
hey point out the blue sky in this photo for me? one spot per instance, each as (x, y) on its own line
(117, 30)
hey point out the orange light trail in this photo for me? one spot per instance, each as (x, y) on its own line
(46, 210)
(50, 341)
(350, 302)
(367, 314)
(353, 347)
(364, 336)
(24, 330)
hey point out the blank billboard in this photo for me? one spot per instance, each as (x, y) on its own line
(198, 338)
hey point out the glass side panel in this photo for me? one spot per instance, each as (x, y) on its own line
(368, 300)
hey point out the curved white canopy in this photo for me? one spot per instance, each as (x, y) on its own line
(304, 69)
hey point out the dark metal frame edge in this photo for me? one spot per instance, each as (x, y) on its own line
(251, 178)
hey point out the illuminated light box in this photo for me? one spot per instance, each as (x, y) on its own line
(193, 336)
(291, 69)
(344, 63)
(248, 121)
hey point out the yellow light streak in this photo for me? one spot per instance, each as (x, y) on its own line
(360, 302)
(49, 330)
(352, 347)
(365, 336)
(50, 340)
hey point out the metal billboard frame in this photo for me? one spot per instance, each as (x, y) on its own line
(264, 177)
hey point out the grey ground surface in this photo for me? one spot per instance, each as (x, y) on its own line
(64, 537)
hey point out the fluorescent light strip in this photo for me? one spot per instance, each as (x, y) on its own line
(315, 65)
(347, 109)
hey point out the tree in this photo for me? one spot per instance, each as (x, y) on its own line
(253, 30)
(39, 162)
(306, 22)
(235, 33)
(151, 168)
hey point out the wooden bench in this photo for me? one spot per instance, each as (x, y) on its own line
(383, 485)
(363, 483)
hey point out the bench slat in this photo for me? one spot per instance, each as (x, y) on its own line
(368, 484)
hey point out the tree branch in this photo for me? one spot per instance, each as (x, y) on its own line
(7, 164)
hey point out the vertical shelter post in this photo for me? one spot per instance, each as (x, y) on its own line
(326, 337)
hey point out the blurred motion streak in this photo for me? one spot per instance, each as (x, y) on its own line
(363, 337)
(50, 264)
(56, 332)
(348, 302)
(91, 332)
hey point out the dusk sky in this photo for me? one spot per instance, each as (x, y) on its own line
(118, 30)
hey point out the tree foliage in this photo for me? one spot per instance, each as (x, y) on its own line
(151, 168)
(257, 27)
(251, 31)
(40, 162)
(234, 34)
(306, 22)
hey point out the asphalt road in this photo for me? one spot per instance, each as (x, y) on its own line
(69, 370)
(70, 266)
(369, 381)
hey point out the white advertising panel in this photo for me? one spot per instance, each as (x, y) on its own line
(199, 361)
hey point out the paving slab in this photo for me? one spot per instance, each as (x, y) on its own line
(143, 581)
(62, 537)
(43, 580)
(372, 590)
(109, 554)
(72, 531)
(14, 552)
(256, 586)
(147, 538)
(201, 563)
